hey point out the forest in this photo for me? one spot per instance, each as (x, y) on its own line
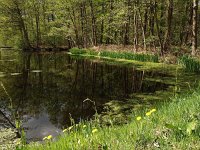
(161, 25)
(99, 74)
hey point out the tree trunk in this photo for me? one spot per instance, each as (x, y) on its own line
(167, 40)
(194, 27)
(26, 42)
(94, 32)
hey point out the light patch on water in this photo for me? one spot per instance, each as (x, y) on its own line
(8, 60)
(2, 74)
(36, 71)
(15, 74)
(39, 127)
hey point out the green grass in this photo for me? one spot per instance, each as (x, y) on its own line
(77, 51)
(174, 125)
(130, 56)
(190, 64)
(117, 55)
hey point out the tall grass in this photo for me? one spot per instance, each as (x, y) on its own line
(117, 55)
(130, 56)
(77, 51)
(190, 64)
(172, 126)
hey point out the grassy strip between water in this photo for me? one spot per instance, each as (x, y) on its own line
(119, 55)
(174, 125)
(190, 64)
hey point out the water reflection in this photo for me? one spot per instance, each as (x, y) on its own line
(47, 88)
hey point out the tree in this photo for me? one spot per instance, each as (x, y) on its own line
(194, 27)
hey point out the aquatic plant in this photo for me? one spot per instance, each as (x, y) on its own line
(130, 56)
(190, 64)
(117, 55)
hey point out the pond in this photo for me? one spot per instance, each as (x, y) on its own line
(45, 89)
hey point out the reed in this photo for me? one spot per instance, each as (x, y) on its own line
(190, 64)
(117, 55)
(130, 56)
(77, 51)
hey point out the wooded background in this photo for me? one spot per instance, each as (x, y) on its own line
(146, 24)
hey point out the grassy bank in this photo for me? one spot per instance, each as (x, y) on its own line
(118, 55)
(174, 125)
(190, 64)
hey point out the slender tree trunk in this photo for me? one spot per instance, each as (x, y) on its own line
(167, 40)
(135, 25)
(109, 39)
(159, 32)
(26, 42)
(102, 23)
(94, 32)
(127, 24)
(194, 27)
(143, 32)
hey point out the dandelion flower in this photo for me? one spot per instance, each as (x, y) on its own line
(148, 113)
(94, 130)
(49, 137)
(138, 118)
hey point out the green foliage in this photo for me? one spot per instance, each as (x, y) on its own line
(190, 64)
(77, 51)
(130, 56)
(92, 52)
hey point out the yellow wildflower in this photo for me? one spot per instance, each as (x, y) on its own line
(148, 113)
(94, 130)
(138, 118)
(49, 137)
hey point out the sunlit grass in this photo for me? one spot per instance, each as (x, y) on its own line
(171, 126)
(117, 55)
(77, 51)
(130, 56)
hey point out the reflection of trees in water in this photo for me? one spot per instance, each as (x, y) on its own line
(64, 83)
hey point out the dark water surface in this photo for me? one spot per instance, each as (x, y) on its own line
(46, 89)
